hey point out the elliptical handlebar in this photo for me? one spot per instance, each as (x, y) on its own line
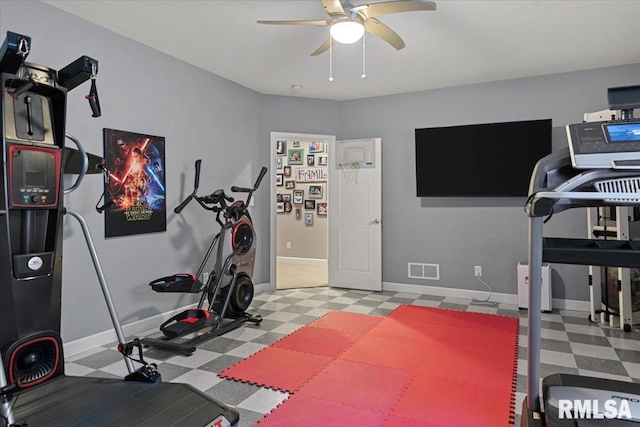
(218, 197)
(196, 184)
(263, 172)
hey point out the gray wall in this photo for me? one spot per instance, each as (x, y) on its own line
(205, 116)
(461, 233)
(142, 90)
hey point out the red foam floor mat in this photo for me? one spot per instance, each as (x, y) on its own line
(309, 411)
(419, 366)
(462, 319)
(408, 330)
(483, 370)
(388, 353)
(367, 384)
(406, 422)
(348, 322)
(445, 402)
(277, 368)
(326, 342)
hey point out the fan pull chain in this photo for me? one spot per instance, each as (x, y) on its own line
(364, 70)
(330, 59)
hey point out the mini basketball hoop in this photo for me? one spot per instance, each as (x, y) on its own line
(350, 172)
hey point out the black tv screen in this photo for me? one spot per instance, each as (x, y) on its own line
(489, 160)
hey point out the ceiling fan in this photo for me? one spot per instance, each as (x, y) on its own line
(348, 22)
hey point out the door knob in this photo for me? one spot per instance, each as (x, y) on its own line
(375, 221)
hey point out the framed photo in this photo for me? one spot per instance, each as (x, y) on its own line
(137, 164)
(315, 191)
(287, 207)
(281, 148)
(316, 147)
(286, 198)
(279, 181)
(310, 204)
(280, 207)
(278, 162)
(298, 196)
(311, 160)
(296, 144)
(322, 160)
(295, 156)
(298, 213)
(279, 197)
(287, 171)
(322, 209)
(308, 219)
(290, 185)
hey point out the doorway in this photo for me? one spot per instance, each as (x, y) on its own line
(299, 215)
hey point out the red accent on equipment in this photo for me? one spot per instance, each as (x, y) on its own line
(235, 230)
(12, 379)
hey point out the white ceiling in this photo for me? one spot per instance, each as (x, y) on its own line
(463, 42)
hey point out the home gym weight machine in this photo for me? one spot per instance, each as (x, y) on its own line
(601, 167)
(229, 288)
(33, 384)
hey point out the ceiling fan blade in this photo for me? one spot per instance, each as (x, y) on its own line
(324, 47)
(377, 28)
(388, 7)
(333, 7)
(295, 22)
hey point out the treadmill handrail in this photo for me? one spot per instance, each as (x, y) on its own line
(562, 191)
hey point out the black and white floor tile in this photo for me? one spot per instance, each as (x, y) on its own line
(570, 344)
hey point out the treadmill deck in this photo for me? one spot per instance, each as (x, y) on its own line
(85, 401)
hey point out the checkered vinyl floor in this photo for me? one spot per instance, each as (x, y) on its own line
(570, 344)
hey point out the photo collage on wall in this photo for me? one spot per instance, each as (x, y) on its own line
(301, 178)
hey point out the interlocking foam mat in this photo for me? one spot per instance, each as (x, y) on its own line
(419, 366)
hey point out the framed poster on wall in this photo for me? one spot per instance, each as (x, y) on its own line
(136, 184)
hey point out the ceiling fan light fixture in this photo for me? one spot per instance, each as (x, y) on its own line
(346, 31)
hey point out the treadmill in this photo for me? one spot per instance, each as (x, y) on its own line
(601, 167)
(34, 390)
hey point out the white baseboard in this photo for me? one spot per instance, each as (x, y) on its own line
(561, 304)
(571, 304)
(310, 261)
(448, 292)
(102, 338)
(263, 287)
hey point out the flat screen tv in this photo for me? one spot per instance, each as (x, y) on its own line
(486, 160)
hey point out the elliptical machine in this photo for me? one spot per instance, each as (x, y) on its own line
(229, 287)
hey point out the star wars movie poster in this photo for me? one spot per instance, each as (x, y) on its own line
(135, 185)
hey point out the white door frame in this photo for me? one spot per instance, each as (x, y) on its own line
(275, 136)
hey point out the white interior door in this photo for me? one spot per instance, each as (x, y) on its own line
(355, 215)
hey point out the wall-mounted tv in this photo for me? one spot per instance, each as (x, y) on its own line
(486, 160)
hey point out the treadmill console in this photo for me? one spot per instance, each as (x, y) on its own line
(605, 145)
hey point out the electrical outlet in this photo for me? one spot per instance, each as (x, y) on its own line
(477, 271)
(288, 245)
(205, 277)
